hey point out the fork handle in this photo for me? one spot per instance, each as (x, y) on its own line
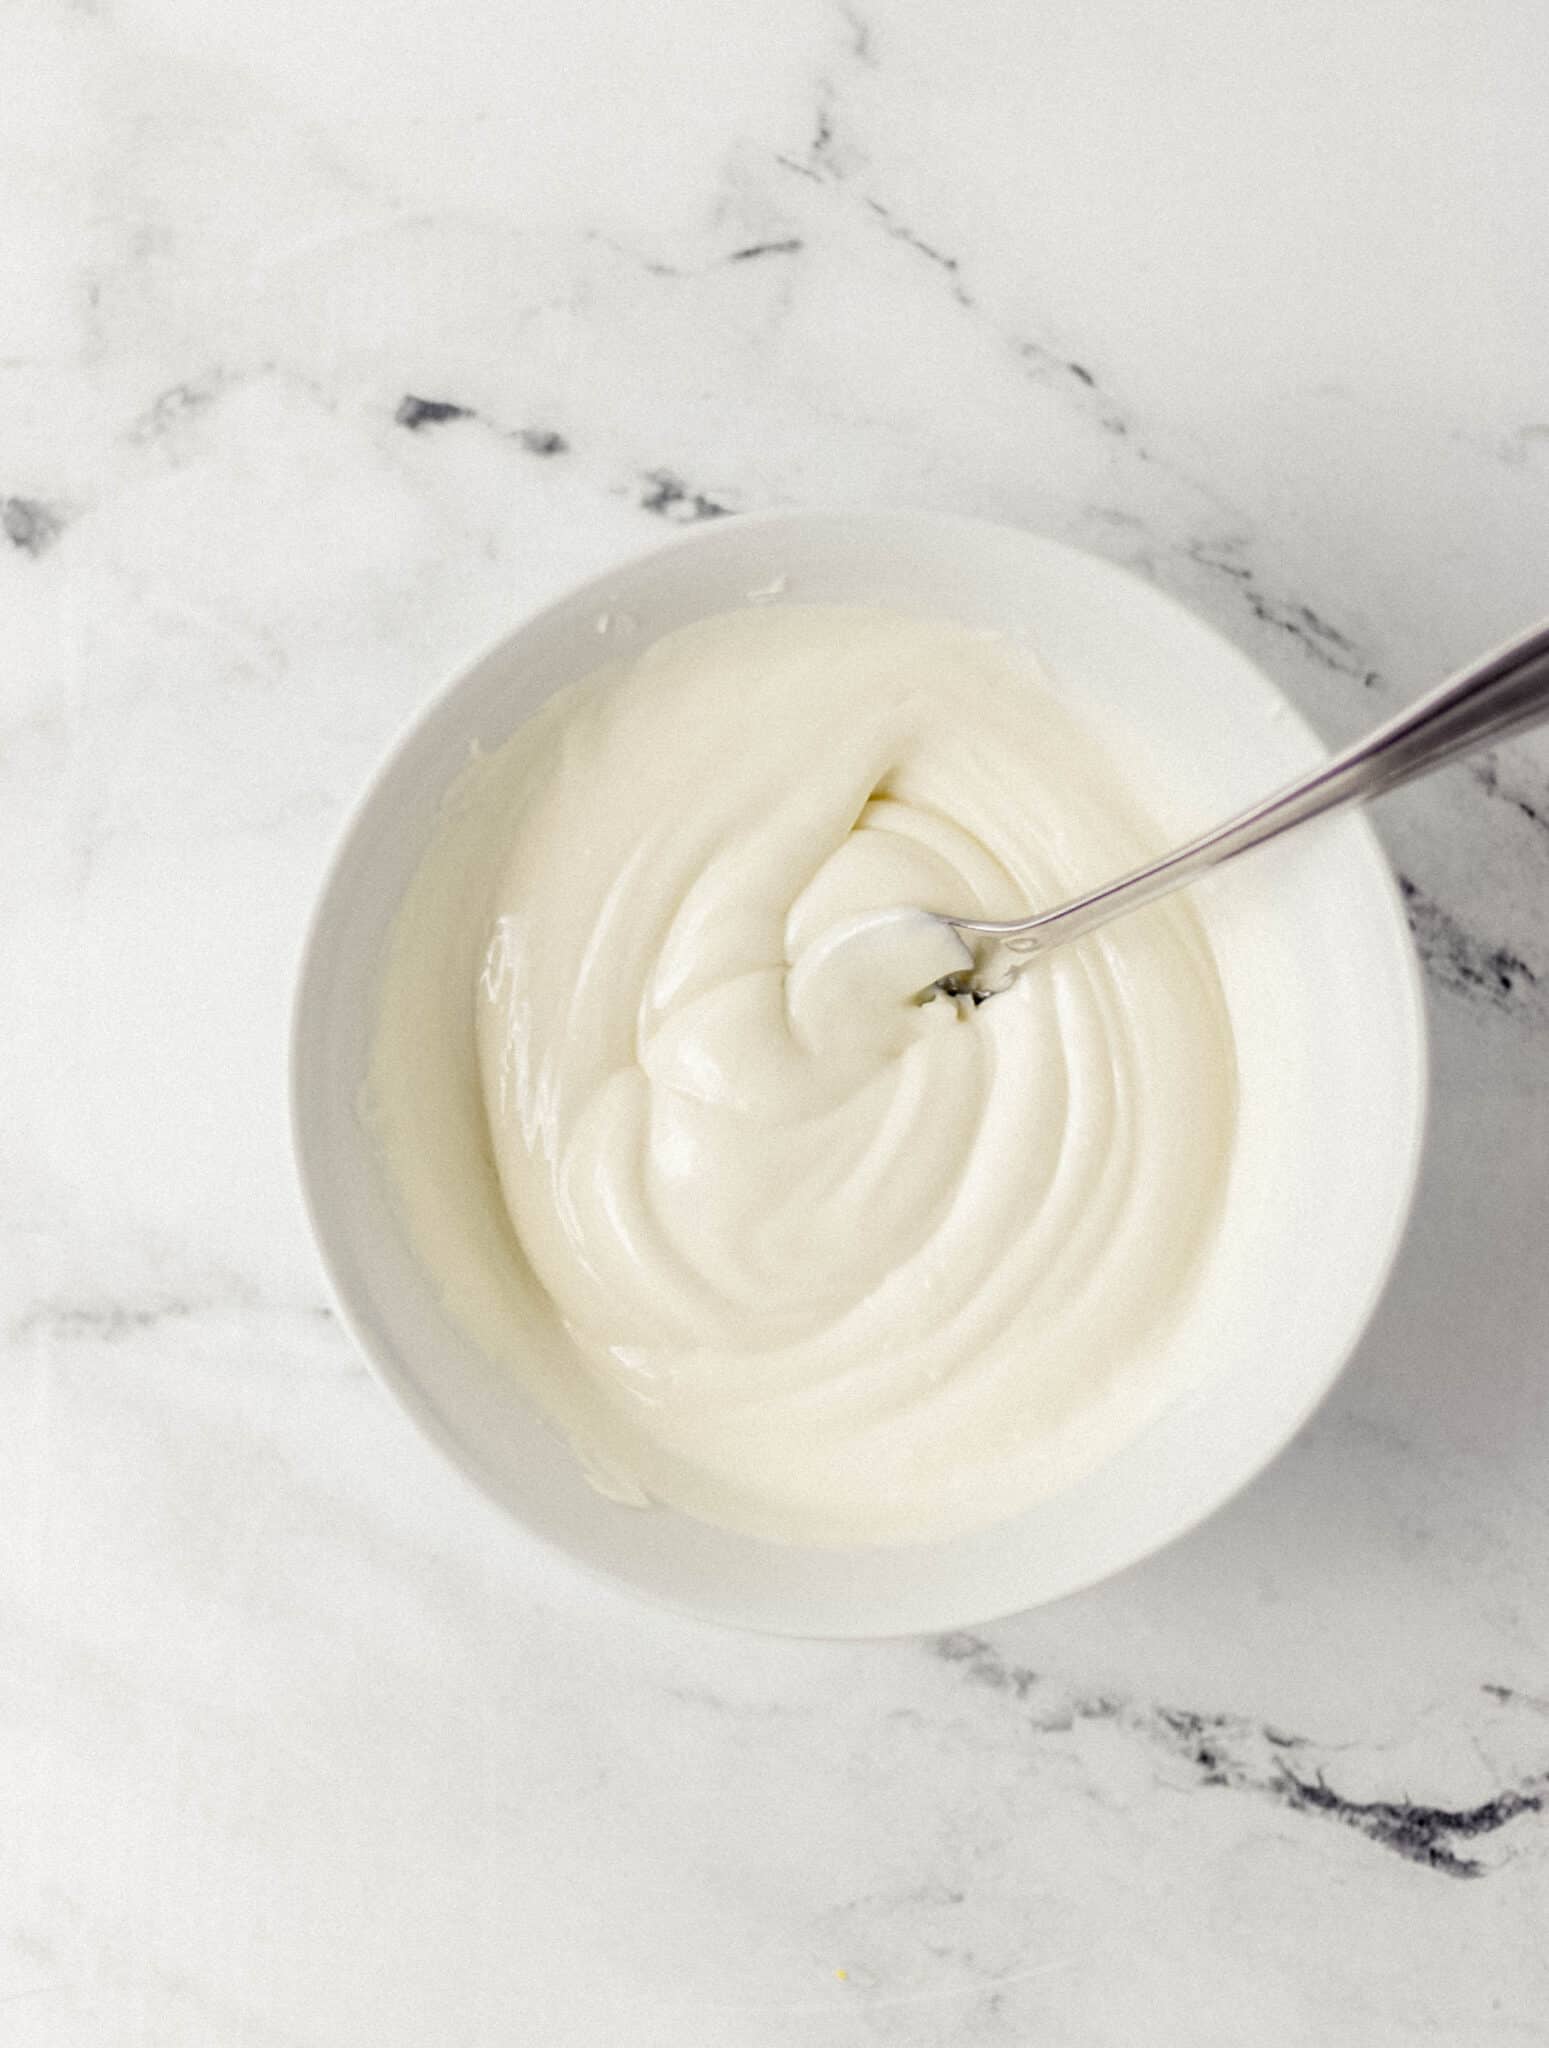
(1504, 693)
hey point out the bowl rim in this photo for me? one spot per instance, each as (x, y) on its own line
(406, 1390)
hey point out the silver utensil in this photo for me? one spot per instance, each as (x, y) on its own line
(1505, 693)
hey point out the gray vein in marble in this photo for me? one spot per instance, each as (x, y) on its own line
(1488, 775)
(791, 245)
(165, 423)
(653, 266)
(1519, 446)
(663, 492)
(1231, 1753)
(99, 1322)
(1324, 643)
(670, 498)
(1510, 1696)
(658, 266)
(1045, 364)
(178, 403)
(825, 159)
(103, 1320)
(862, 42)
(1048, 366)
(1317, 637)
(416, 414)
(949, 266)
(822, 159)
(32, 525)
(1466, 964)
(732, 1709)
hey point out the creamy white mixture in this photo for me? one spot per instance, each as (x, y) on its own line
(772, 1240)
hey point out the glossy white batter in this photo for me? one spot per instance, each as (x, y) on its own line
(771, 1240)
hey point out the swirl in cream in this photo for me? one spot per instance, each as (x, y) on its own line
(779, 1243)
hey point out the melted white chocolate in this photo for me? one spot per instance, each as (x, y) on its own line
(772, 1240)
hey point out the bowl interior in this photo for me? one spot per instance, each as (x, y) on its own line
(1319, 971)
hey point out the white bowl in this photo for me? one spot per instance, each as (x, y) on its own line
(1319, 1193)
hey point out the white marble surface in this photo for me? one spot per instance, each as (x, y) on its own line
(299, 1743)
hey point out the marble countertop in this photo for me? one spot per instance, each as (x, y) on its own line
(332, 338)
